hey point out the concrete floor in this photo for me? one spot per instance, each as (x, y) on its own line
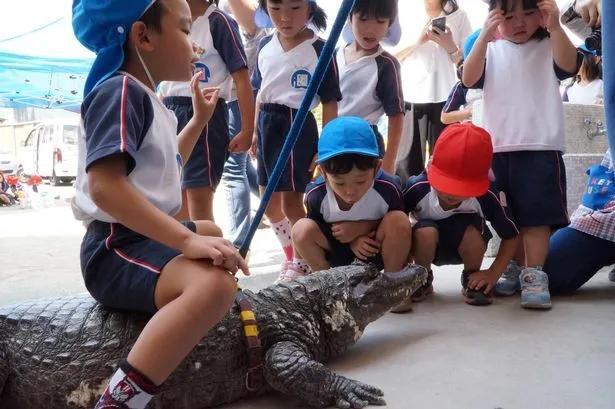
(445, 354)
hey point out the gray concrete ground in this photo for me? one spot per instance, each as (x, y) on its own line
(445, 354)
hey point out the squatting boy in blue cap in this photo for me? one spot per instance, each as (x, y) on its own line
(355, 210)
(135, 255)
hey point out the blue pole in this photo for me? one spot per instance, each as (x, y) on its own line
(293, 134)
(608, 65)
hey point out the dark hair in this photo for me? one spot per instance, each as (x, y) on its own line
(153, 15)
(317, 14)
(381, 9)
(507, 5)
(342, 164)
(449, 6)
(590, 68)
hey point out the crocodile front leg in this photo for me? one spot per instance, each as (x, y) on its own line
(292, 371)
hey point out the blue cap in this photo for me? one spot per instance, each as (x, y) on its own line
(392, 37)
(347, 134)
(102, 27)
(468, 44)
(262, 19)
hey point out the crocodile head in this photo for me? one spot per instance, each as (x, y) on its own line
(358, 295)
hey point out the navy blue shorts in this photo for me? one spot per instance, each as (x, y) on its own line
(450, 235)
(340, 254)
(535, 186)
(121, 267)
(274, 122)
(205, 165)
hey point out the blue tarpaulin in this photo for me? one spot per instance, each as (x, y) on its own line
(43, 66)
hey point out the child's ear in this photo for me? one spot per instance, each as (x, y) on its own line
(378, 166)
(139, 36)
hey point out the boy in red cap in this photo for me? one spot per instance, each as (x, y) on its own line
(451, 202)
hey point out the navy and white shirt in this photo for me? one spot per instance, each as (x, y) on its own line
(218, 34)
(422, 202)
(383, 197)
(371, 86)
(123, 117)
(282, 77)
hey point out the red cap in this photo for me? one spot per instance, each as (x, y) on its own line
(461, 161)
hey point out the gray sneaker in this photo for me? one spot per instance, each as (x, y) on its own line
(612, 275)
(534, 289)
(509, 283)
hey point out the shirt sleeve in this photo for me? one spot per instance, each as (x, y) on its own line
(315, 194)
(329, 90)
(414, 191)
(389, 87)
(227, 41)
(495, 208)
(257, 79)
(116, 117)
(456, 99)
(389, 188)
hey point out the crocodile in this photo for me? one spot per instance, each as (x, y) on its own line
(59, 353)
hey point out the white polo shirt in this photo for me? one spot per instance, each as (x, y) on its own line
(282, 77)
(218, 34)
(371, 86)
(123, 117)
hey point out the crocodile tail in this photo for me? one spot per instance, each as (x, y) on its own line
(4, 369)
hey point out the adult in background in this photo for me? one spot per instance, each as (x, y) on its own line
(428, 71)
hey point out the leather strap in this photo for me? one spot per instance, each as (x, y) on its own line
(255, 375)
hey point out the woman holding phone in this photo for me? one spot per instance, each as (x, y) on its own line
(429, 55)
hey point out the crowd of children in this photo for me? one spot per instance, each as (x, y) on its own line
(145, 193)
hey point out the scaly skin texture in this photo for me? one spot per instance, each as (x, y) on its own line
(59, 353)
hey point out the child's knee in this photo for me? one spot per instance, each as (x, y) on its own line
(304, 230)
(472, 242)
(207, 228)
(395, 224)
(425, 235)
(217, 282)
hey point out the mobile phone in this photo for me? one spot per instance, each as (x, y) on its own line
(439, 23)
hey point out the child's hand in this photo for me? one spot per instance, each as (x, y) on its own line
(254, 146)
(242, 142)
(203, 100)
(482, 280)
(365, 247)
(490, 28)
(220, 251)
(345, 232)
(388, 164)
(550, 14)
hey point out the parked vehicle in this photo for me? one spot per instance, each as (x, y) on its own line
(50, 151)
(8, 163)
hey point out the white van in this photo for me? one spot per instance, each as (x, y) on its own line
(50, 151)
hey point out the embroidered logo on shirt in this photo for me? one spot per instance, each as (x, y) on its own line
(300, 79)
(205, 70)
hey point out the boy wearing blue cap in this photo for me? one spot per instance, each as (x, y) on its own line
(135, 255)
(355, 210)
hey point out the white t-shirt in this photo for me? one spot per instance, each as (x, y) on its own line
(123, 116)
(428, 74)
(592, 93)
(522, 107)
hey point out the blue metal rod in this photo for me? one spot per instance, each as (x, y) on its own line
(293, 134)
(608, 65)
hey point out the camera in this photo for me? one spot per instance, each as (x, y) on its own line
(594, 41)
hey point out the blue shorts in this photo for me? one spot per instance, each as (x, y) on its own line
(450, 235)
(274, 122)
(121, 267)
(535, 186)
(340, 254)
(205, 165)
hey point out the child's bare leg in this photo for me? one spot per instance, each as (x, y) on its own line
(472, 249)
(200, 203)
(309, 241)
(536, 244)
(192, 296)
(424, 245)
(274, 207)
(395, 235)
(292, 206)
(519, 257)
(183, 213)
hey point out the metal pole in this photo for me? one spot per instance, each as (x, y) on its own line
(608, 61)
(293, 134)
